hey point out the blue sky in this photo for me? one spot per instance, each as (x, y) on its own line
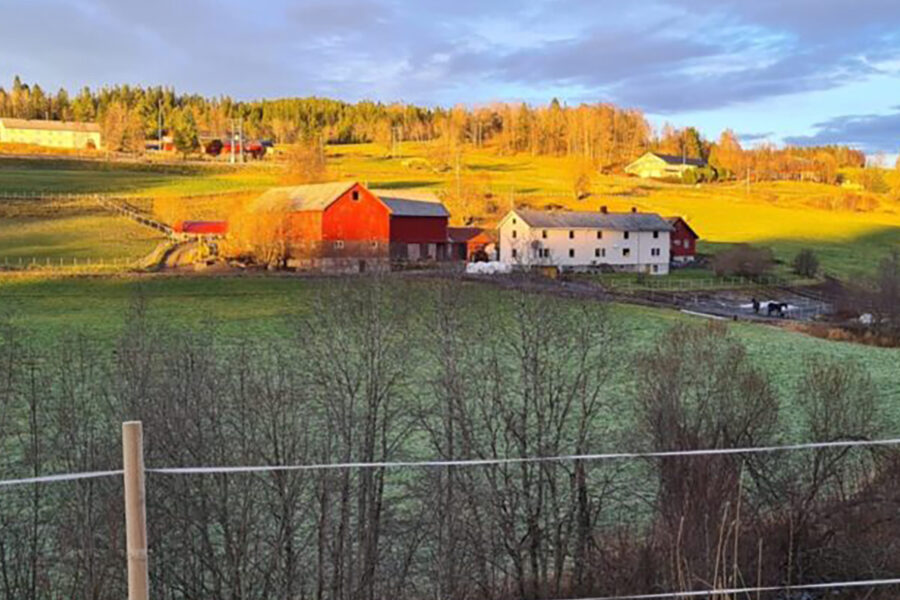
(798, 71)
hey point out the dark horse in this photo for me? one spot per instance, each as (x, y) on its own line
(776, 308)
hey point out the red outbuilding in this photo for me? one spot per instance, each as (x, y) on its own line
(201, 228)
(683, 241)
(473, 243)
(418, 225)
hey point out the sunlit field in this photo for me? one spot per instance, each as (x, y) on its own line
(851, 230)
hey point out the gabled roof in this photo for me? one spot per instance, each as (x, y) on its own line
(465, 234)
(630, 221)
(412, 203)
(674, 220)
(315, 196)
(672, 159)
(49, 125)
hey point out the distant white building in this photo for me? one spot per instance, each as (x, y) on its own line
(631, 241)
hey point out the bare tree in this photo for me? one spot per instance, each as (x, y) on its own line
(696, 390)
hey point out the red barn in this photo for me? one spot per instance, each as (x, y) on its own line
(345, 226)
(683, 241)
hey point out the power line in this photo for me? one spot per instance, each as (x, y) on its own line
(478, 462)
(751, 590)
(59, 477)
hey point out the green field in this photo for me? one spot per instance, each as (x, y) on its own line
(230, 309)
(851, 230)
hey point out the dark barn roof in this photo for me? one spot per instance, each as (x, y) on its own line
(404, 207)
(467, 234)
(630, 221)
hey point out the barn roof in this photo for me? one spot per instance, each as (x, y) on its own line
(412, 203)
(672, 159)
(630, 221)
(674, 220)
(314, 196)
(49, 125)
(464, 234)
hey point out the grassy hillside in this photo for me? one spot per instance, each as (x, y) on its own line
(851, 230)
(262, 307)
(68, 229)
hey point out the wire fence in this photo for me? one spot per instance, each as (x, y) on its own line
(675, 284)
(133, 472)
(68, 264)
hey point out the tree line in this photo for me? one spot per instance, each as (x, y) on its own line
(385, 371)
(603, 135)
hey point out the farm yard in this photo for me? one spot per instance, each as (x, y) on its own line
(256, 368)
(367, 300)
(851, 231)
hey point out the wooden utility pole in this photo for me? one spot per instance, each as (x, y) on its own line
(135, 510)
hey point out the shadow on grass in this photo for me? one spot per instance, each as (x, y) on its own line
(845, 259)
(405, 185)
(496, 168)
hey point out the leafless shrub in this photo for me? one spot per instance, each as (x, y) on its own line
(743, 259)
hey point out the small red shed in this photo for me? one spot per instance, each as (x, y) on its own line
(205, 228)
(472, 242)
(683, 241)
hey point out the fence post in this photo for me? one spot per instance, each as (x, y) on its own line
(135, 510)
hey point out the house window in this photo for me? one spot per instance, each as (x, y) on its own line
(676, 242)
(514, 220)
(655, 235)
(626, 251)
(571, 252)
(599, 235)
(339, 245)
(514, 234)
(545, 252)
(687, 243)
(603, 252)
(626, 235)
(656, 268)
(571, 235)
(514, 253)
(597, 252)
(654, 252)
(544, 234)
(374, 245)
(355, 195)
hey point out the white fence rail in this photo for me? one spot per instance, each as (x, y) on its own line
(66, 263)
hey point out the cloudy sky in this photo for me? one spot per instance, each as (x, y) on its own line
(797, 71)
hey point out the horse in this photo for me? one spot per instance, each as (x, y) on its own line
(776, 308)
(755, 303)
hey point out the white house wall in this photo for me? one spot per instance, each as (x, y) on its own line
(528, 242)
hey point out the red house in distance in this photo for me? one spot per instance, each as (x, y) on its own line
(683, 241)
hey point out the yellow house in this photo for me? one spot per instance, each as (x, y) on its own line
(56, 134)
(653, 164)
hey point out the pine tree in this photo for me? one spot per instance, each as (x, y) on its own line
(185, 137)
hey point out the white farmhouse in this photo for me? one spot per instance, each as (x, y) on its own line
(631, 241)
